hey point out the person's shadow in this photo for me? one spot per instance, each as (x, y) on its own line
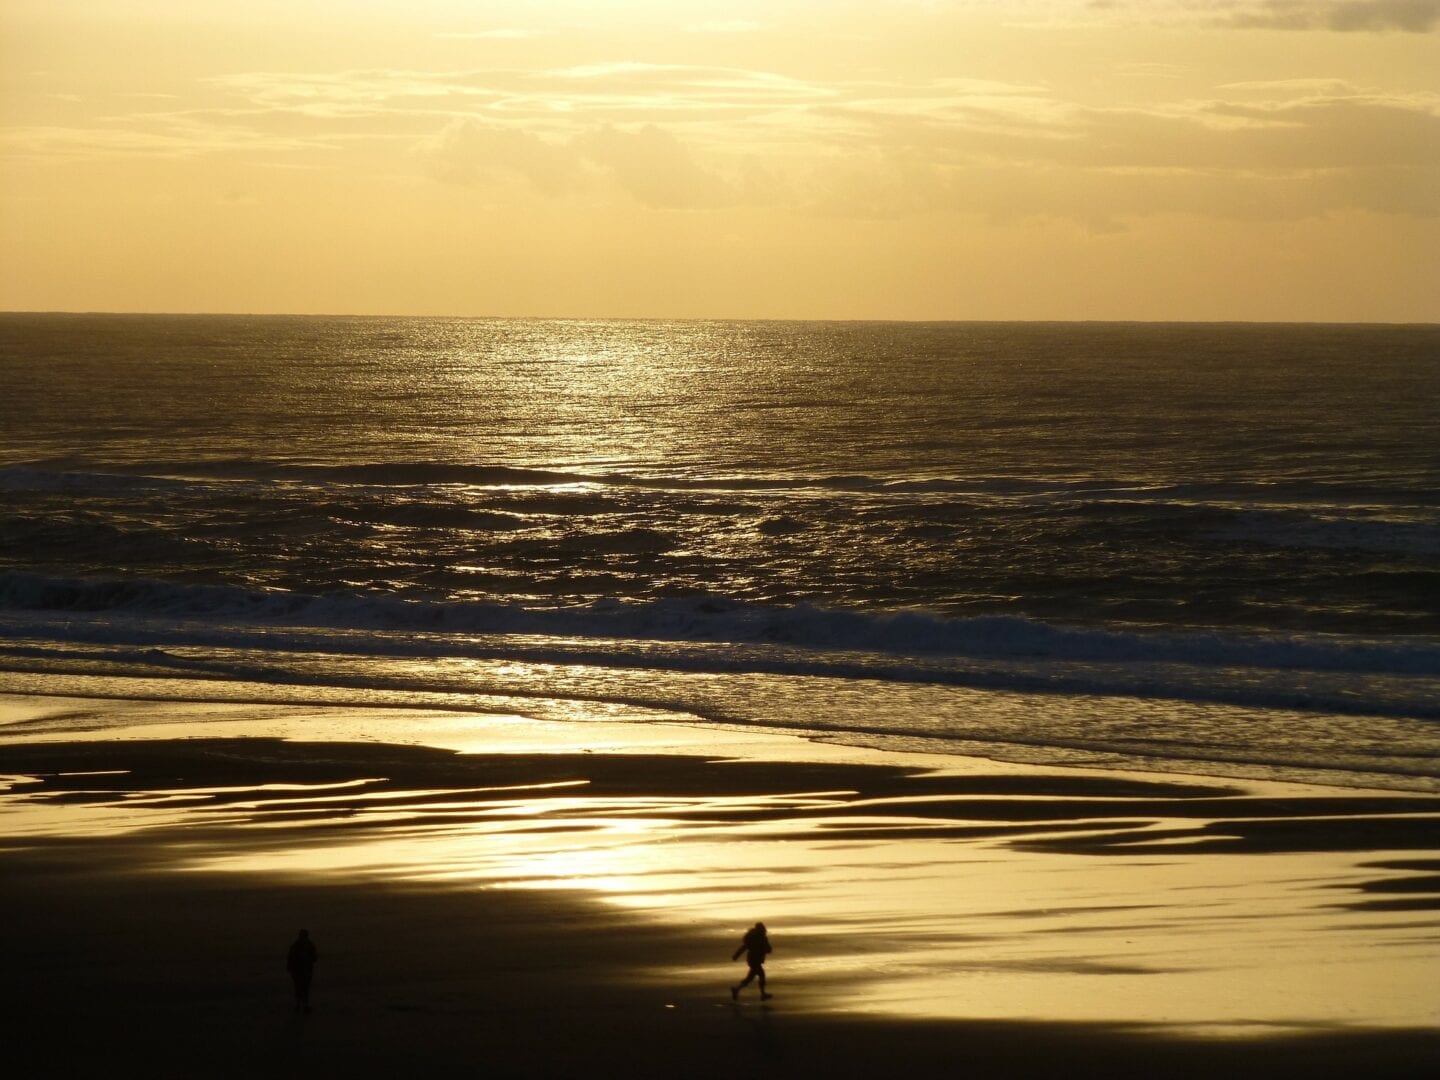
(300, 960)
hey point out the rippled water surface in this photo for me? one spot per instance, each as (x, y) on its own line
(1184, 542)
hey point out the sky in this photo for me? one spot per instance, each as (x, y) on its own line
(829, 159)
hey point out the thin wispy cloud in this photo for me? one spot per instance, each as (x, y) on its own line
(1291, 87)
(724, 26)
(678, 136)
(1343, 16)
(1339, 16)
(169, 140)
(1150, 70)
(505, 33)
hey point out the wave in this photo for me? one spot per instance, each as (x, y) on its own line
(263, 657)
(61, 473)
(1293, 529)
(36, 478)
(712, 619)
(66, 474)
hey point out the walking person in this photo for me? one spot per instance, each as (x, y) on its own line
(756, 946)
(300, 963)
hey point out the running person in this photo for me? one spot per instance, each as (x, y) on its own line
(755, 946)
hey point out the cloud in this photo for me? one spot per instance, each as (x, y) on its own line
(657, 169)
(650, 164)
(1107, 200)
(1268, 151)
(177, 138)
(507, 33)
(736, 87)
(1150, 70)
(614, 92)
(1345, 16)
(955, 104)
(1290, 87)
(465, 152)
(1305, 133)
(1342, 16)
(724, 26)
(675, 136)
(354, 93)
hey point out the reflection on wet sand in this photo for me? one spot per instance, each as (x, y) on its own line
(890, 886)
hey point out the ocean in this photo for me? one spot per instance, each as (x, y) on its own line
(1196, 548)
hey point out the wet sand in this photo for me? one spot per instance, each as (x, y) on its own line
(562, 899)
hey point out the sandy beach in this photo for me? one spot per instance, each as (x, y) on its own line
(514, 897)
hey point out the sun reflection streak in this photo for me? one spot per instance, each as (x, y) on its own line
(917, 906)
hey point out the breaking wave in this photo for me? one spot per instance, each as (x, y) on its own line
(709, 618)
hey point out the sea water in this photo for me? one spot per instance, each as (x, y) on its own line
(1209, 548)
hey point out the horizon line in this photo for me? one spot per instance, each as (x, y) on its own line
(712, 318)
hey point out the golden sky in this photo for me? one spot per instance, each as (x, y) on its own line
(950, 159)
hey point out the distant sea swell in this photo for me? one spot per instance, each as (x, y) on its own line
(1091, 550)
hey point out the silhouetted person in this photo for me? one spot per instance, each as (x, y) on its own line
(300, 963)
(756, 946)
